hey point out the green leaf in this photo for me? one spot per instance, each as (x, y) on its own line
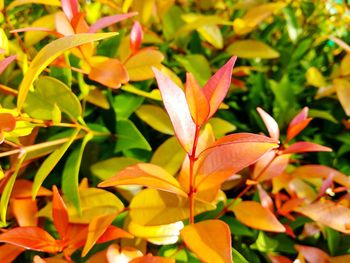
(48, 93)
(125, 104)
(50, 163)
(264, 243)
(322, 115)
(70, 177)
(129, 137)
(48, 54)
(237, 257)
(221, 127)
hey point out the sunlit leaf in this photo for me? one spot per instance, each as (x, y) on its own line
(25, 211)
(270, 124)
(298, 123)
(250, 48)
(70, 8)
(315, 78)
(48, 54)
(301, 147)
(34, 238)
(158, 235)
(154, 94)
(33, 37)
(343, 93)
(5, 62)
(25, 2)
(210, 240)
(59, 213)
(151, 207)
(155, 117)
(174, 99)
(253, 214)
(139, 66)
(270, 166)
(136, 37)
(221, 127)
(8, 252)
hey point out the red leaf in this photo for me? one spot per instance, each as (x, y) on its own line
(112, 233)
(5, 62)
(217, 86)
(59, 214)
(136, 37)
(313, 254)
(33, 238)
(25, 211)
(8, 253)
(301, 147)
(279, 259)
(299, 122)
(270, 124)
(70, 8)
(197, 102)
(109, 20)
(176, 105)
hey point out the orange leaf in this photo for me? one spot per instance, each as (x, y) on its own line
(145, 174)
(176, 105)
(301, 147)
(299, 122)
(136, 37)
(8, 253)
(33, 238)
(217, 86)
(210, 240)
(265, 199)
(313, 254)
(270, 124)
(152, 259)
(116, 254)
(253, 214)
(197, 102)
(328, 213)
(59, 214)
(25, 212)
(23, 189)
(113, 232)
(70, 8)
(229, 155)
(110, 73)
(7, 122)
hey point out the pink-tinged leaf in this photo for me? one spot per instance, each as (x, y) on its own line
(301, 147)
(321, 171)
(152, 259)
(176, 105)
(270, 124)
(217, 86)
(5, 62)
(229, 155)
(110, 73)
(254, 215)
(70, 8)
(279, 259)
(34, 238)
(109, 20)
(328, 213)
(313, 254)
(8, 253)
(270, 166)
(25, 211)
(7, 122)
(299, 123)
(327, 184)
(79, 24)
(210, 240)
(146, 174)
(2, 51)
(265, 199)
(42, 29)
(59, 214)
(136, 37)
(197, 101)
(63, 26)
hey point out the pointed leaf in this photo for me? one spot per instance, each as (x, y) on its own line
(315, 78)
(270, 124)
(109, 20)
(197, 102)
(70, 8)
(250, 48)
(145, 174)
(112, 233)
(25, 211)
(253, 214)
(34, 238)
(299, 123)
(151, 207)
(217, 86)
(343, 93)
(8, 253)
(136, 37)
(48, 54)
(5, 62)
(328, 213)
(176, 105)
(59, 213)
(313, 254)
(210, 240)
(301, 147)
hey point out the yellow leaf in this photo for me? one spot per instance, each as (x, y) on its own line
(25, 2)
(221, 127)
(97, 98)
(158, 235)
(315, 78)
(255, 16)
(48, 54)
(139, 65)
(253, 214)
(169, 155)
(343, 92)
(210, 240)
(156, 117)
(116, 254)
(33, 37)
(168, 72)
(345, 65)
(144, 8)
(252, 49)
(154, 94)
(151, 207)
